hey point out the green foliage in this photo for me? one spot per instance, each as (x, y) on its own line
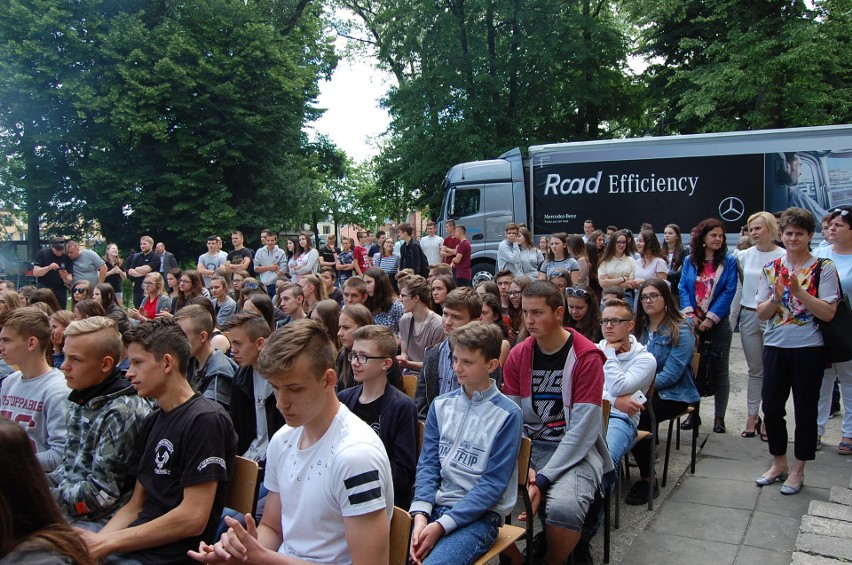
(177, 119)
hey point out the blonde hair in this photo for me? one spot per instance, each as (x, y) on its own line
(769, 220)
(305, 339)
(30, 322)
(382, 336)
(108, 344)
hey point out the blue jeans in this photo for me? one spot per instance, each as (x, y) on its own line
(621, 434)
(464, 545)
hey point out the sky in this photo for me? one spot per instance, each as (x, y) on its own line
(351, 99)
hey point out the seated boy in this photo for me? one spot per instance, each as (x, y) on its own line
(93, 480)
(330, 491)
(354, 291)
(210, 372)
(35, 396)
(183, 458)
(388, 410)
(614, 292)
(467, 475)
(461, 307)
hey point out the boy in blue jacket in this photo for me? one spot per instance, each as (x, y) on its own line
(467, 475)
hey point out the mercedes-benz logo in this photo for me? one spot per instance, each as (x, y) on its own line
(731, 209)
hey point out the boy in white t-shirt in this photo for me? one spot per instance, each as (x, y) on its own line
(332, 466)
(36, 396)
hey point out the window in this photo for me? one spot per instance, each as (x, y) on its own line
(465, 203)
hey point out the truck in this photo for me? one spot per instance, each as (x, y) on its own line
(678, 179)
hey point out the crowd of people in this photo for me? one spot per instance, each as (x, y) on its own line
(124, 422)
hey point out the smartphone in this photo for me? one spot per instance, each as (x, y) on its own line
(639, 397)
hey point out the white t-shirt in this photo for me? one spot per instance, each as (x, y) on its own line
(843, 264)
(649, 271)
(431, 246)
(751, 262)
(346, 473)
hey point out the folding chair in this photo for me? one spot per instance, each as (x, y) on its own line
(409, 385)
(508, 534)
(400, 536)
(242, 494)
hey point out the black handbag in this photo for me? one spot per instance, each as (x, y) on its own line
(836, 334)
(707, 373)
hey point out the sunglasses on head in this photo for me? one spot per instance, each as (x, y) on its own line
(578, 292)
(250, 286)
(843, 212)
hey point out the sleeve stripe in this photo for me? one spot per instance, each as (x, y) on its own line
(365, 496)
(363, 478)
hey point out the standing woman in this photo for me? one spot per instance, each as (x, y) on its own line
(652, 259)
(115, 274)
(763, 230)
(598, 239)
(155, 300)
(790, 297)
(616, 266)
(543, 245)
(559, 259)
(420, 327)
(577, 250)
(669, 337)
(840, 252)
(306, 262)
(381, 300)
(531, 257)
(676, 252)
(708, 284)
(387, 261)
(440, 287)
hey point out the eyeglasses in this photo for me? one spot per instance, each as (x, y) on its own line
(250, 286)
(80, 290)
(362, 358)
(614, 322)
(650, 297)
(183, 281)
(621, 243)
(404, 295)
(147, 283)
(578, 292)
(514, 293)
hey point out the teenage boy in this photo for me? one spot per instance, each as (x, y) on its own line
(556, 377)
(252, 403)
(354, 291)
(509, 253)
(240, 258)
(210, 373)
(53, 269)
(448, 249)
(411, 254)
(588, 228)
(345, 262)
(388, 410)
(467, 475)
(461, 259)
(329, 252)
(431, 244)
(224, 306)
(36, 395)
(93, 480)
(504, 281)
(330, 491)
(361, 254)
(182, 460)
(327, 276)
(210, 261)
(142, 263)
(269, 261)
(462, 306)
(292, 303)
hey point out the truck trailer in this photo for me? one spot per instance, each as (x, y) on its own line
(660, 180)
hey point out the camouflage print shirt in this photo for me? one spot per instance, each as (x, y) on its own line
(93, 481)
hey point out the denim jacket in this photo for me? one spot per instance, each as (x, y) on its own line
(674, 364)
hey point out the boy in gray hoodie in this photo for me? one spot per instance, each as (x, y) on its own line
(467, 475)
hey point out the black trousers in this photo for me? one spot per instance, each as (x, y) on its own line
(799, 370)
(663, 410)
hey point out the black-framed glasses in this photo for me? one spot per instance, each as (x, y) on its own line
(578, 292)
(362, 358)
(514, 293)
(404, 295)
(614, 322)
(650, 297)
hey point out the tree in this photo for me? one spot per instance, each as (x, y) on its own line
(478, 77)
(175, 119)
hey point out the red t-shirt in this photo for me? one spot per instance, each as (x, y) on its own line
(463, 266)
(452, 243)
(361, 258)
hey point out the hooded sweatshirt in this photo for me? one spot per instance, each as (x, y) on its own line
(93, 479)
(627, 372)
